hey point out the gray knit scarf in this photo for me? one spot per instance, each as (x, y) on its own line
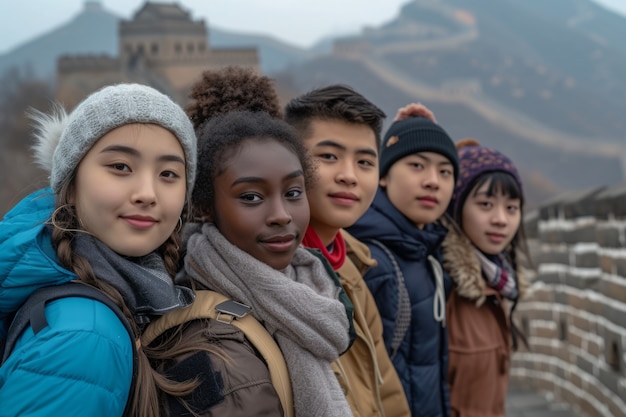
(299, 307)
(144, 283)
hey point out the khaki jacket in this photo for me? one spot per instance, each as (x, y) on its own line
(365, 371)
(479, 334)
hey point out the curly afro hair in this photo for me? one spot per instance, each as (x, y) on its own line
(229, 89)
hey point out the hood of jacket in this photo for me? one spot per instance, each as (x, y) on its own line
(385, 223)
(463, 266)
(27, 259)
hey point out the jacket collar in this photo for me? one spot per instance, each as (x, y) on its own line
(384, 222)
(464, 268)
(357, 262)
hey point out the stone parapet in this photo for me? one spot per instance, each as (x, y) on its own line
(575, 314)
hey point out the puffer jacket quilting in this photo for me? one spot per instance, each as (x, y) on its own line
(84, 349)
(421, 360)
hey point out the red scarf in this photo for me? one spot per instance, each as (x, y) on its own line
(338, 255)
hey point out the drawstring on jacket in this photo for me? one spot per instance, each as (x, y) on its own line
(439, 303)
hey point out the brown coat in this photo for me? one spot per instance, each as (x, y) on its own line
(479, 334)
(242, 370)
(365, 371)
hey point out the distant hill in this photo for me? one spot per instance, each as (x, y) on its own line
(95, 31)
(546, 69)
(588, 17)
(542, 86)
(274, 54)
(542, 80)
(560, 169)
(92, 31)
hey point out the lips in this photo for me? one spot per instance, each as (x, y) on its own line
(279, 243)
(428, 201)
(429, 198)
(496, 237)
(344, 197)
(140, 222)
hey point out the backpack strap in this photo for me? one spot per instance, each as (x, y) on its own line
(32, 313)
(403, 317)
(204, 306)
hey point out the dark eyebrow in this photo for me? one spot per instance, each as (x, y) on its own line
(332, 143)
(494, 195)
(259, 180)
(122, 149)
(424, 157)
(295, 174)
(252, 180)
(172, 158)
(135, 153)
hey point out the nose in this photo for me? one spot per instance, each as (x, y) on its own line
(279, 214)
(144, 193)
(499, 216)
(431, 178)
(347, 174)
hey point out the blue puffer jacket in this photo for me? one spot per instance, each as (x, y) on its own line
(81, 364)
(422, 357)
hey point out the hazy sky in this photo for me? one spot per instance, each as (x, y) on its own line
(301, 23)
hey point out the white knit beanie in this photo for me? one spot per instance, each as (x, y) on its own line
(62, 141)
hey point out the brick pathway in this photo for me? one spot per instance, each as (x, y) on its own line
(522, 402)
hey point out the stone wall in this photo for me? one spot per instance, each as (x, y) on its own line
(162, 47)
(575, 314)
(78, 76)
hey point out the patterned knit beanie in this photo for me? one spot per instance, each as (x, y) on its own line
(475, 160)
(62, 141)
(412, 135)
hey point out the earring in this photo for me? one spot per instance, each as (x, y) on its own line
(180, 225)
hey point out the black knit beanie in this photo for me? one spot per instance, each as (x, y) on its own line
(413, 135)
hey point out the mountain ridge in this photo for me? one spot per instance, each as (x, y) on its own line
(94, 31)
(534, 75)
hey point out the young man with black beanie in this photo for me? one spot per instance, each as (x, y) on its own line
(418, 170)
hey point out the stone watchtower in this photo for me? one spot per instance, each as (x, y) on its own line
(161, 46)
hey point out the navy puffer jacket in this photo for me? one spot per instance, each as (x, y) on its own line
(421, 359)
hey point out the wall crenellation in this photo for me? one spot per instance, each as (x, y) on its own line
(575, 314)
(69, 63)
(162, 46)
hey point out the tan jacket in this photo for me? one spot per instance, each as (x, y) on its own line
(365, 371)
(479, 334)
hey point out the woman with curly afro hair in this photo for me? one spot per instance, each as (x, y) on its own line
(251, 211)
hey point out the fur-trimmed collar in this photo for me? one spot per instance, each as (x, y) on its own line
(464, 268)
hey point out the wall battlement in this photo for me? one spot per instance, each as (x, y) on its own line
(73, 63)
(575, 315)
(162, 46)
